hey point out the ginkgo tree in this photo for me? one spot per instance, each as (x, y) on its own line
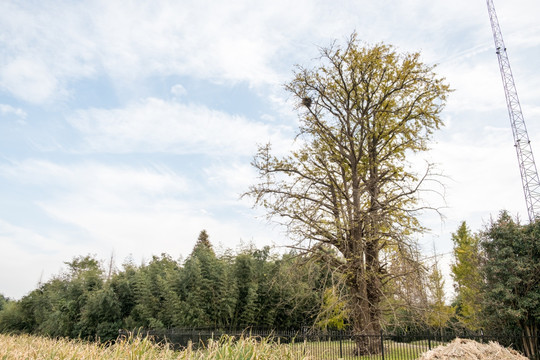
(363, 110)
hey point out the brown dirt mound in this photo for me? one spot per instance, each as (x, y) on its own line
(464, 349)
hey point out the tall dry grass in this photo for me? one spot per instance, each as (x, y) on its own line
(28, 347)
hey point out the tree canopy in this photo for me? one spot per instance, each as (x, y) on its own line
(255, 287)
(362, 111)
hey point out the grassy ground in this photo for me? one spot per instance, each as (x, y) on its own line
(17, 347)
(344, 350)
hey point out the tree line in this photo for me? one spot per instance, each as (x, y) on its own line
(254, 287)
(251, 288)
(497, 279)
(495, 274)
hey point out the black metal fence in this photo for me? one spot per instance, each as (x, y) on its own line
(329, 345)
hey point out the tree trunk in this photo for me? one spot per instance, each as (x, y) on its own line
(530, 341)
(364, 315)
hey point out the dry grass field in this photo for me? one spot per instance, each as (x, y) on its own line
(28, 347)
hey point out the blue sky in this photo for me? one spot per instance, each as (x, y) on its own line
(126, 127)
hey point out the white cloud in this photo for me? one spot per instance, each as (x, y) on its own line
(155, 125)
(122, 209)
(34, 257)
(482, 178)
(178, 90)
(224, 42)
(478, 87)
(46, 45)
(8, 109)
(43, 46)
(26, 256)
(234, 177)
(29, 80)
(99, 182)
(519, 22)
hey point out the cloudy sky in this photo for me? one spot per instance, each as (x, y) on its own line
(126, 127)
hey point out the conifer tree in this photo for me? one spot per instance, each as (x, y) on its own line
(3, 301)
(512, 279)
(207, 295)
(247, 287)
(439, 313)
(466, 272)
(203, 242)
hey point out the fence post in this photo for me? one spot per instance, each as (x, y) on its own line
(382, 344)
(429, 340)
(341, 343)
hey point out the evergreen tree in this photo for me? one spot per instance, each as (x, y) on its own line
(101, 315)
(512, 271)
(53, 307)
(3, 301)
(123, 285)
(466, 272)
(203, 242)
(268, 284)
(439, 313)
(12, 318)
(156, 294)
(247, 282)
(207, 291)
(192, 294)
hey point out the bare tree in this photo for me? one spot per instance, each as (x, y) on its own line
(362, 111)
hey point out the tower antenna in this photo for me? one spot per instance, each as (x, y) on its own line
(527, 166)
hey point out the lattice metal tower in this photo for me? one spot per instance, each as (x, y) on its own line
(527, 167)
